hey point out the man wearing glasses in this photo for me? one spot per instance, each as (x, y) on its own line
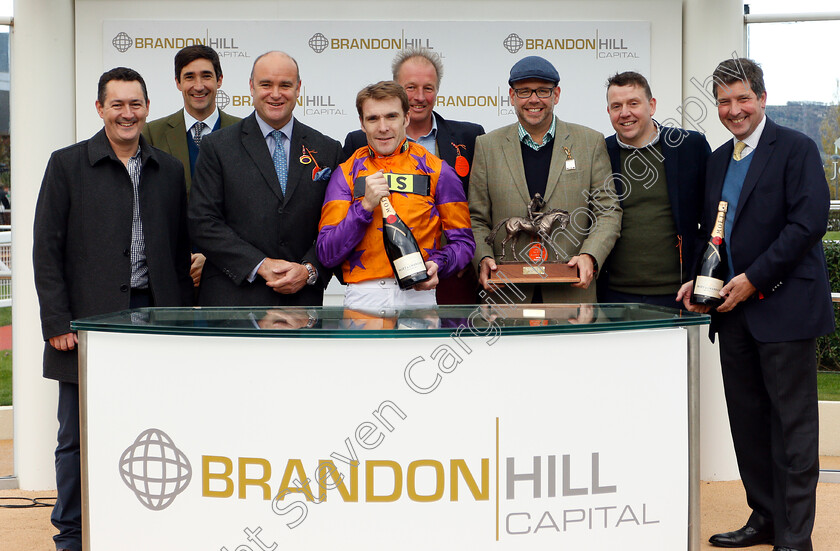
(567, 164)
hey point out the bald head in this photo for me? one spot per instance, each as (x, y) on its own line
(275, 54)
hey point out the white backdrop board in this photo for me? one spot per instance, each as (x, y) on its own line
(338, 58)
(528, 442)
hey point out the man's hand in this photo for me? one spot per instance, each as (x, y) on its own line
(432, 282)
(586, 270)
(288, 318)
(736, 291)
(684, 296)
(376, 187)
(196, 265)
(283, 276)
(585, 314)
(64, 342)
(485, 268)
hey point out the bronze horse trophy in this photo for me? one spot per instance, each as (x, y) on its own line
(537, 224)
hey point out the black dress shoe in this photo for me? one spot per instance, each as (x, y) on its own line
(777, 548)
(745, 537)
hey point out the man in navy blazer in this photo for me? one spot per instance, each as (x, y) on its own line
(777, 302)
(419, 72)
(659, 175)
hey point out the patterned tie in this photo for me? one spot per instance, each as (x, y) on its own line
(739, 148)
(197, 129)
(281, 165)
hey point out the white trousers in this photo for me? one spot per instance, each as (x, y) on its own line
(386, 294)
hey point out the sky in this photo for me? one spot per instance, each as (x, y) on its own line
(798, 59)
(786, 6)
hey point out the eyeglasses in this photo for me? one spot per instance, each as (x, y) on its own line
(525, 93)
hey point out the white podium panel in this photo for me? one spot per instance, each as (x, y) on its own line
(472, 440)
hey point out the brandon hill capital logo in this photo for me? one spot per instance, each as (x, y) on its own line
(513, 43)
(318, 43)
(155, 470)
(222, 100)
(122, 42)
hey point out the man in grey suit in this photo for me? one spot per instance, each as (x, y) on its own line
(256, 199)
(198, 76)
(110, 233)
(567, 164)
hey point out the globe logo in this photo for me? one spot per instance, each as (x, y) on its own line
(222, 99)
(155, 470)
(513, 43)
(318, 43)
(122, 42)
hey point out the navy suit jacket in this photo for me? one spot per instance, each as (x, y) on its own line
(686, 153)
(448, 133)
(776, 237)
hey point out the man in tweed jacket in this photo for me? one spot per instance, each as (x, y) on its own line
(567, 164)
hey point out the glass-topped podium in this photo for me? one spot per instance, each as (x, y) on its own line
(296, 322)
(460, 427)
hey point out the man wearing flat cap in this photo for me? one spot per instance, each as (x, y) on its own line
(567, 164)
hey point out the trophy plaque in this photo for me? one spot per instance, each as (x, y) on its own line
(539, 269)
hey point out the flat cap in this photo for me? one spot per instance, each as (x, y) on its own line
(533, 66)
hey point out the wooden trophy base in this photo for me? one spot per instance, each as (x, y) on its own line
(547, 272)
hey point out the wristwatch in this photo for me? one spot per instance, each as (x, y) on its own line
(313, 273)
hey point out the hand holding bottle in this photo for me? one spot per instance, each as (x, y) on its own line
(684, 296)
(376, 187)
(735, 292)
(432, 282)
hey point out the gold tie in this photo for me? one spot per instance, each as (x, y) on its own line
(739, 148)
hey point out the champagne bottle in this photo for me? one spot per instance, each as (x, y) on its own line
(401, 248)
(712, 267)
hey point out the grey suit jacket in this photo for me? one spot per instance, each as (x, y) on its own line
(498, 190)
(170, 134)
(238, 215)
